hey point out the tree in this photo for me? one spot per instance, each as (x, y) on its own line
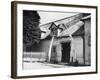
(31, 30)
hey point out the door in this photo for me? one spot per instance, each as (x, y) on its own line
(53, 55)
(66, 52)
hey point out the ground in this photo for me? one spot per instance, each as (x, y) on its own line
(39, 65)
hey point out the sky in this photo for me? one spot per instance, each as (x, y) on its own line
(47, 16)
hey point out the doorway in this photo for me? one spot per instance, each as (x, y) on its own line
(66, 52)
(53, 55)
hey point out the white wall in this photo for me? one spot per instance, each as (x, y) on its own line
(77, 49)
(5, 41)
